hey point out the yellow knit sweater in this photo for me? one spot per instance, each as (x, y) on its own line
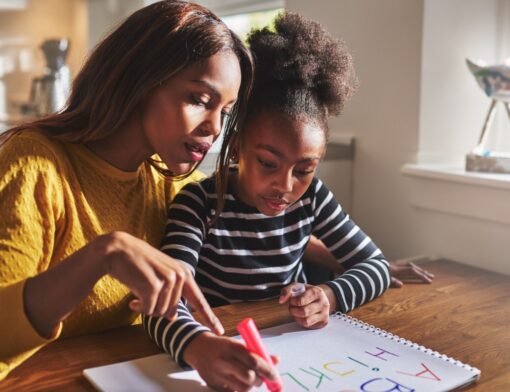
(54, 199)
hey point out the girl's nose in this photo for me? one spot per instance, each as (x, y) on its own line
(284, 182)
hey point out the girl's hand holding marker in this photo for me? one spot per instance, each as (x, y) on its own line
(309, 305)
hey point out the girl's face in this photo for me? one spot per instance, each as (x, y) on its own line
(277, 161)
(182, 117)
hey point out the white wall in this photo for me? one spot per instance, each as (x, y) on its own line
(385, 40)
(453, 107)
(103, 16)
(417, 102)
(452, 112)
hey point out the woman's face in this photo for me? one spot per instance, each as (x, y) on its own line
(277, 161)
(182, 117)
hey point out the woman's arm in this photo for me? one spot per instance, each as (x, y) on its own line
(155, 279)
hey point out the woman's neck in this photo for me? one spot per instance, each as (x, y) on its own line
(126, 149)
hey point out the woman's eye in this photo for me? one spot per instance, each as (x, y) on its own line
(201, 100)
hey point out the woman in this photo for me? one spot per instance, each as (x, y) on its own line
(83, 192)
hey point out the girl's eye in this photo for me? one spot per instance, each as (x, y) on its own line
(303, 173)
(266, 164)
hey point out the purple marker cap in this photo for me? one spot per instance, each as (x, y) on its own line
(297, 289)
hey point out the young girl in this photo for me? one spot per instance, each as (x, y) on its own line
(83, 193)
(246, 243)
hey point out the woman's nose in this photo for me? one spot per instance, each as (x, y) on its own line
(216, 121)
(212, 124)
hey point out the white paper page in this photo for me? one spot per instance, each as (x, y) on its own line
(342, 357)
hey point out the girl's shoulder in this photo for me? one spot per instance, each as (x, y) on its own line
(317, 193)
(186, 183)
(200, 185)
(314, 188)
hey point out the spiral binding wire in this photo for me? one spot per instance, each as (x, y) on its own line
(381, 332)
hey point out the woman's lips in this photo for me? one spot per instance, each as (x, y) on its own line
(197, 151)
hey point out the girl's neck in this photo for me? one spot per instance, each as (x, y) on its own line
(237, 186)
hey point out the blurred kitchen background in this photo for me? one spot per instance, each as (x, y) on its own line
(396, 156)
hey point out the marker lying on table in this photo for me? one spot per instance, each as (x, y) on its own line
(254, 344)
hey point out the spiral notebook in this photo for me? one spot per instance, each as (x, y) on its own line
(347, 355)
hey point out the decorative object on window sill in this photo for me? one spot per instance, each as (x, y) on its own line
(494, 80)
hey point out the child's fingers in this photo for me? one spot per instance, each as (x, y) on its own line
(293, 289)
(284, 296)
(426, 279)
(420, 273)
(266, 370)
(396, 283)
(430, 275)
(253, 361)
(308, 310)
(311, 294)
(318, 320)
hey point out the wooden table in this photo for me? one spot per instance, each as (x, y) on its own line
(464, 313)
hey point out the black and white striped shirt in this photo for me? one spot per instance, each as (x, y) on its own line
(248, 256)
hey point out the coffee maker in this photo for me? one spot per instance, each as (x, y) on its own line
(49, 92)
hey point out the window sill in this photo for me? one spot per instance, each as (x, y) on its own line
(452, 190)
(457, 175)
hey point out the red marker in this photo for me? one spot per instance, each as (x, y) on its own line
(254, 344)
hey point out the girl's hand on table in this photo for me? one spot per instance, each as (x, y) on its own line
(405, 271)
(310, 309)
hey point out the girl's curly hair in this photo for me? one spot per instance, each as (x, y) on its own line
(300, 69)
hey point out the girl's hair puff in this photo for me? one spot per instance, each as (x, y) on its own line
(300, 69)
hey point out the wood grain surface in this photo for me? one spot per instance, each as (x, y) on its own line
(464, 313)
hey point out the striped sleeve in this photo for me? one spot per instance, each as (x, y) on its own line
(175, 335)
(366, 270)
(184, 234)
(186, 225)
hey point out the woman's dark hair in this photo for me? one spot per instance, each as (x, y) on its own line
(151, 45)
